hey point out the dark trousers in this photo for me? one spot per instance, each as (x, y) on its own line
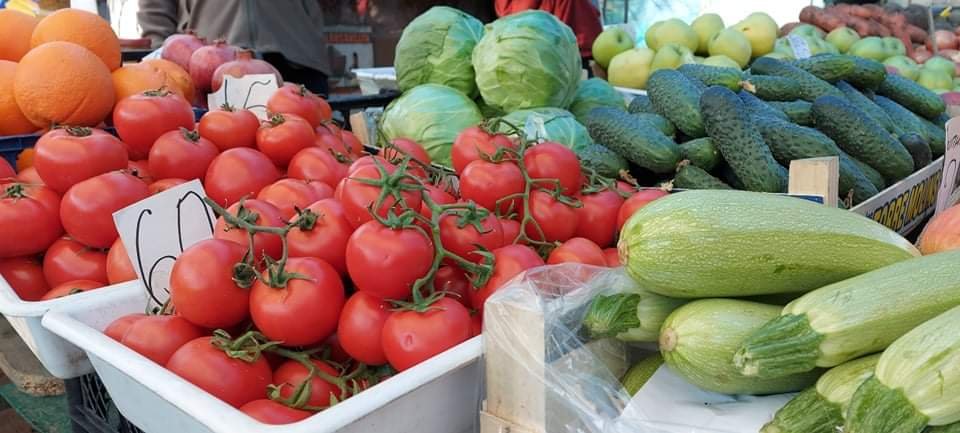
(313, 79)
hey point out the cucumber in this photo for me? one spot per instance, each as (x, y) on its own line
(915, 97)
(828, 67)
(640, 373)
(604, 161)
(772, 87)
(854, 317)
(636, 140)
(677, 98)
(641, 104)
(713, 75)
(872, 174)
(698, 341)
(918, 148)
(861, 137)
(701, 152)
(869, 107)
(741, 145)
(757, 107)
(789, 142)
(868, 74)
(936, 137)
(949, 428)
(811, 86)
(727, 175)
(662, 123)
(712, 243)
(797, 111)
(690, 176)
(910, 122)
(630, 313)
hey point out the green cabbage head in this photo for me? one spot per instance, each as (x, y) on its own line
(549, 124)
(436, 47)
(594, 93)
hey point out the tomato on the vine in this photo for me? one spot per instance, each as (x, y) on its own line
(141, 119)
(228, 127)
(486, 183)
(69, 155)
(403, 147)
(25, 276)
(511, 230)
(549, 160)
(270, 412)
(557, 221)
(29, 219)
(181, 154)
(577, 250)
(296, 99)
(283, 136)
(70, 288)
(411, 337)
(119, 327)
(235, 381)
(612, 257)
(597, 218)
(327, 239)
(474, 141)
(263, 243)
(438, 196)
(158, 337)
(68, 260)
(292, 373)
(454, 283)
(303, 310)
(375, 251)
(288, 195)
(464, 232)
(202, 288)
(636, 202)
(237, 173)
(119, 268)
(509, 261)
(360, 327)
(359, 197)
(316, 164)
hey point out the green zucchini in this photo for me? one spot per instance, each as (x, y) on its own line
(713, 75)
(820, 409)
(875, 177)
(869, 107)
(854, 317)
(636, 140)
(641, 104)
(797, 111)
(811, 86)
(711, 243)
(701, 152)
(698, 340)
(772, 87)
(677, 98)
(632, 314)
(915, 97)
(690, 176)
(917, 382)
(641, 372)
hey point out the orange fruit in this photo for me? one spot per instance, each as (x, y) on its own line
(25, 159)
(178, 79)
(12, 120)
(136, 78)
(83, 28)
(15, 31)
(63, 83)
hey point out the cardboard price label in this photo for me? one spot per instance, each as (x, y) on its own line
(250, 92)
(950, 181)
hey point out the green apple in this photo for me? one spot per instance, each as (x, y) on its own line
(938, 63)
(671, 56)
(894, 46)
(674, 31)
(650, 38)
(698, 59)
(608, 44)
(722, 61)
(825, 47)
(733, 44)
(807, 30)
(761, 30)
(871, 47)
(934, 79)
(631, 68)
(779, 55)
(904, 65)
(706, 26)
(842, 38)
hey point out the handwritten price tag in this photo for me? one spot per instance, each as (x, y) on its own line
(800, 48)
(949, 191)
(250, 92)
(156, 230)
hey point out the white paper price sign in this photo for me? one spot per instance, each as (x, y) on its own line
(156, 230)
(800, 48)
(250, 92)
(950, 182)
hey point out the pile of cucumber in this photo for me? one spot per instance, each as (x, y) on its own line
(749, 293)
(740, 129)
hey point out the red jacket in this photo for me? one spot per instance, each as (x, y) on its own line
(580, 15)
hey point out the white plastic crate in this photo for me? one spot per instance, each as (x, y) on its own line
(61, 358)
(372, 80)
(441, 395)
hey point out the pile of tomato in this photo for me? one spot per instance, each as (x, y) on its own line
(329, 269)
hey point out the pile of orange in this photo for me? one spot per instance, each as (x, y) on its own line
(65, 69)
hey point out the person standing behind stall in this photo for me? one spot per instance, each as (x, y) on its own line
(287, 33)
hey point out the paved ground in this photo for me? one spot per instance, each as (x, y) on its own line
(10, 421)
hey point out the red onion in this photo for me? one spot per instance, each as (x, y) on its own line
(245, 64)
(206, 60)
(945, 39)
(178, 48)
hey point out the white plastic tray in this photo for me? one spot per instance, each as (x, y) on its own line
(373, 79)
(61, 358)
(441, 395)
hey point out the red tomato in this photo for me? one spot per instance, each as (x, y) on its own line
(312, 302)
(140, 170)
(404, 147)
(119, 327)
(361, 323)
(626, 187)
(332, 144)
(327, 239)
(549, 160)
(68, 260)
(485, 183)
(296, 99)
(413, 169)
(288, 195)
(119, 268)
(292, 373)
(438, 195)
(228, 128)
(68, 155)
(472, 142)
(352, 143)
(321, 189)
(597, 218)
(25, 276)
(612, 257)
(87, 208)
(158, 337)
(263, 243)
(557, 220)
(411, 337)
(6, 170)
(453, 281)
(359, 197)
(511, 230)
(71, 288)
(476, 323)
(29, 219)
(232, 380)
(163, 185)
(202, 288)
(29, 175)
(577, 250)
(141, 119)
(270, 412)
(459, 235)
(236, 173)
(509, 261)
(337, 354)
(635, 202)
(316, 164)
(181, 154)
(375, 251)
(283, 136)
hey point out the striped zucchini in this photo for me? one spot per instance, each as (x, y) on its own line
(712, 243)
(699, 338)
(917, 382)
(632, 315)
(854, 317)
(641, 372)
(820, 409)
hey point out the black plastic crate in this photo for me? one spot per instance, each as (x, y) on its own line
(92, 410)
(11, 146)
